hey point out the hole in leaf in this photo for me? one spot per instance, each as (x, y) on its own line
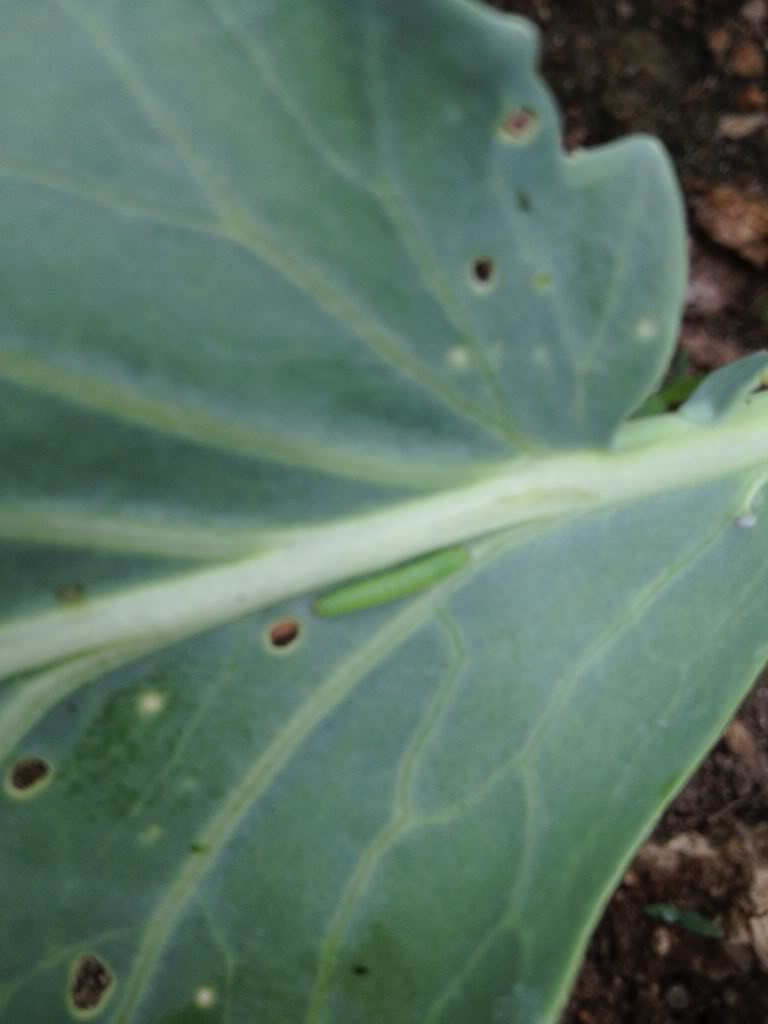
(519, 126)
(284, 633)
(70, 593)
(483, 273)
(28, 775)
(360, 970)
(91, 981)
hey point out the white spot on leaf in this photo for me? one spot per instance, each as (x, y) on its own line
(458, 358)
(747, 521)
(647, 329)
(205, 997)
(151, 702)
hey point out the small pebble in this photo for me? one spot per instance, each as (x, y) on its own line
(677, 997)
(739, 126)
(755, 12)
(747, 60)
(752, 97)
(662, 941)
(719, 41)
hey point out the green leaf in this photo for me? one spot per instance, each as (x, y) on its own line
(691, 920)
(292, 293)
(670, 396)
(724, 389)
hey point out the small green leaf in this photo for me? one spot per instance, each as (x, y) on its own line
(725, 388)
(691, 920)
(670, 396)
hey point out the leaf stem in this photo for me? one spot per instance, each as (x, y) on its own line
(650, 456)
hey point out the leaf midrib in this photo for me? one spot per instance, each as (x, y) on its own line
(528, 493)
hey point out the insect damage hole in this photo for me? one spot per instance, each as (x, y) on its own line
(283, 634)
(483, 273)
(360, 970)
(90, 985)
(28, 776)
(519, 126)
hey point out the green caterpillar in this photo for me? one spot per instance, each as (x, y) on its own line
(405, 579)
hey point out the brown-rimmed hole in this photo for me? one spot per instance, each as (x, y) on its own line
(483, 272)
(91, 980)
(360, 970)
(284, 633)
(519, 125)
(28, 773)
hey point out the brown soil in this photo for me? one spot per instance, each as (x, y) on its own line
(694, 73)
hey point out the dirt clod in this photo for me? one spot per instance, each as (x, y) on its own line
(747, 60)
(736, 219)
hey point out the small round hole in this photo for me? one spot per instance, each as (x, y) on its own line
(91, 981)
(519, 125)
(28, 774)
(483, 273)
(360, 970)
(284, 633)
